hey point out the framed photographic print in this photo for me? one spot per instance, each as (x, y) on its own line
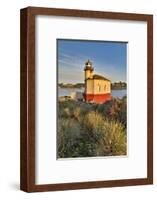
(86, 99)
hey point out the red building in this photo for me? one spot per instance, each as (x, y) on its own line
(97, 87)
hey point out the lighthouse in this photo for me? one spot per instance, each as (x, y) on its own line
(97, 87)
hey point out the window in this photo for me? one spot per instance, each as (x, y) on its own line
(99, 87)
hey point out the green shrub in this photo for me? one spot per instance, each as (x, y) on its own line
(113, 139)
(108, 136)
(67, 137)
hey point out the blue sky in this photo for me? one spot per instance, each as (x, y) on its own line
(109, 59)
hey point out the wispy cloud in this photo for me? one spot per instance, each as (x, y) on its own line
(71, 60)
(70, 68)
(111, 72)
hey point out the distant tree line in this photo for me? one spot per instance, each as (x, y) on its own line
(114, 86)
(70, 85)
(118, 85)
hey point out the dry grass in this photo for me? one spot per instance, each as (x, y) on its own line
(91, 130)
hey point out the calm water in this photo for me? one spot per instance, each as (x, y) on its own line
(68, 91)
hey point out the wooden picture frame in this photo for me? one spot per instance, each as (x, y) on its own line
(27, 98)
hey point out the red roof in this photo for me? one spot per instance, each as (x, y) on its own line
(96, 76)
